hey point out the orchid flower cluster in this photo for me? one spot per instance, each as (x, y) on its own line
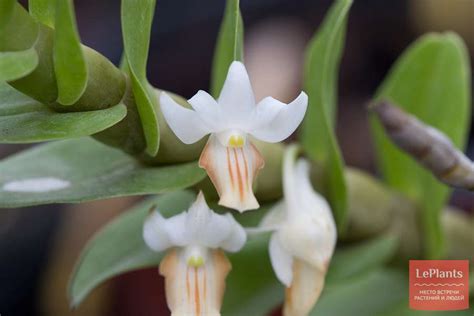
(303, 230)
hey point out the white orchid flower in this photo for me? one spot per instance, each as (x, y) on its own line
(304, 237)
(194, 266)
(229, 158)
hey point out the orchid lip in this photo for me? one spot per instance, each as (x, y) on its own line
(232, 171)
(236, 141)
(195, 256)
(232, 138)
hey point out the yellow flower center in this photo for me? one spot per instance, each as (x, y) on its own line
(195, 261)
(236, 141)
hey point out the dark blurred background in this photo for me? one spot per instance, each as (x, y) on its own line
(39, 245)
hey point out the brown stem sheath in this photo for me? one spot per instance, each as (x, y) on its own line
(429, 146)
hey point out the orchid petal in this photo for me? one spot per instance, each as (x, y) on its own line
(264, 113)
(177, 230)
(275, 216)
(236, 239)
(207, 109)
(232, 171)
(213, 230)
(282, 261)
(197, 218)
(186, 124)
(305, 289)
(199, 227)
(307, 239)
(155, 233)
(304, 204)
(285, 122)
(310, 223)
(326, 227)
(192, 290)
(237, 99)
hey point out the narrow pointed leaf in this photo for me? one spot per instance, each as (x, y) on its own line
(324, 56)
(84, 170)
(43, 124)
(119, 246)
(318, 136)
(69, 63)
(14, 65)
(431, 80)
(24, 120)
(137, 17)
(229, 45)
(43, 11)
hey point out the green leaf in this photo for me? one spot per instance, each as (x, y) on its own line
(13, 101)
(43, 11)
(360, 259)
(431, 80)
(14, 65)
(370, 295)
(318, 137)
(43, 124)
(119, 246)
(18, 30)
(6, 11)
(229, 47)
(251, 287)
(323, 58)
(137, 17)
(69, 64)
(84, 170)
(18, 36)
(24, 120)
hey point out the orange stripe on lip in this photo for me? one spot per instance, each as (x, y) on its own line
(229, 166)
(246, 169)
(188, 287)
(239, 176)
(204, 286)
(196, 292)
